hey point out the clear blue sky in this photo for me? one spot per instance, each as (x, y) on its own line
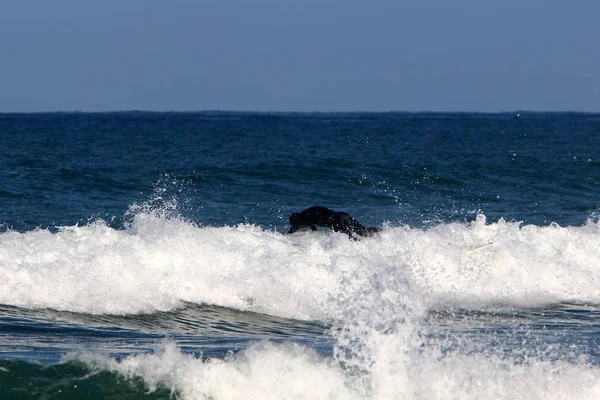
(327, 55)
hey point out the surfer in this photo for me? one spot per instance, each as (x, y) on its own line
(337, 221)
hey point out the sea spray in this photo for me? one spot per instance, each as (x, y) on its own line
(379, 329)
(380, 339)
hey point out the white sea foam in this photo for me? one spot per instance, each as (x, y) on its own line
(376, 289)
(158, 263)
(275, 371)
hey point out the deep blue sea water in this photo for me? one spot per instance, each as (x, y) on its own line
(144, 255)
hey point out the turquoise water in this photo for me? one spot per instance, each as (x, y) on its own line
(143, 255)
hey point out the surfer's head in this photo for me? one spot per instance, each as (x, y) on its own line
(296, 222)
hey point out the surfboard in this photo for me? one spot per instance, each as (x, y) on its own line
(480, 247)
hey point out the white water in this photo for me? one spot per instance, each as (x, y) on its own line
(268, 371)
(377, 288)
(158, 263)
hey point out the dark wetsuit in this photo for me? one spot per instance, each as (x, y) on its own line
(337, 221)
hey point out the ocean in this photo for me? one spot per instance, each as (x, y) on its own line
(145, 256)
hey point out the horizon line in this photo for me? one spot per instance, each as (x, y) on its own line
(259, 112)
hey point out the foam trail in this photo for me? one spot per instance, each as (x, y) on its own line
(158, 263)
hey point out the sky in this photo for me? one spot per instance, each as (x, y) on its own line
(281, 55)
